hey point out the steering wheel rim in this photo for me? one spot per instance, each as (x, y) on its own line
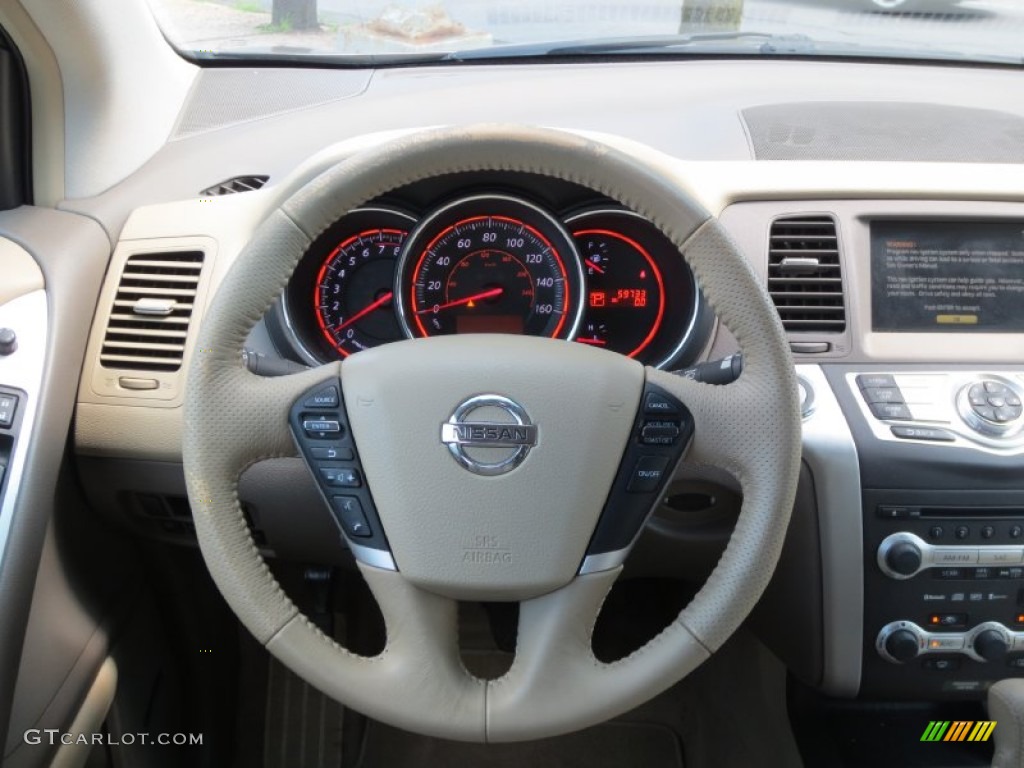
(234, 419)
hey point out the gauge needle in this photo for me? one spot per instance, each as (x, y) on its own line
(458, 302)
(365, 311)
(593, 266)
(595, 340)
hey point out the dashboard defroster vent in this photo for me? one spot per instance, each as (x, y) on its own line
(235, 185)
(804, 274)
(150, 316)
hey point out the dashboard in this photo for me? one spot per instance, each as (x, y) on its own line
(490, 253)
(829, 236)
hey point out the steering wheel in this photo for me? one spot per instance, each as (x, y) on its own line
(579, 410)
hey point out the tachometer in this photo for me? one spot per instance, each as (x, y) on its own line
(352, 292)
(490, 264)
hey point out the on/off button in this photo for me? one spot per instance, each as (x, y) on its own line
(647, 474)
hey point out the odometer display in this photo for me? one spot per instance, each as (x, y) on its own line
(490, 265)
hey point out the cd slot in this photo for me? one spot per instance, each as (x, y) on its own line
(970, 512)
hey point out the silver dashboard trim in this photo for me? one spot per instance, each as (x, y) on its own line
(831, 453)
(932, 398)
(23, 370)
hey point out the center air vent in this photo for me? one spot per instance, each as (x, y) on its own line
(235, 185)
(151, 312)
(804, 276)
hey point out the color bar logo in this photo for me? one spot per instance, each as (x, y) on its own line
(958, 730)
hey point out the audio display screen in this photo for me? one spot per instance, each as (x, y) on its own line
(936, 276)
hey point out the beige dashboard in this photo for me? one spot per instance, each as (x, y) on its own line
(118, 418)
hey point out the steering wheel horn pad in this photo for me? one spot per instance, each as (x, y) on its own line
(544, 511)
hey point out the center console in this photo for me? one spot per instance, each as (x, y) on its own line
(941, 458)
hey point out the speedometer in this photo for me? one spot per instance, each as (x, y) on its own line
(490, 265)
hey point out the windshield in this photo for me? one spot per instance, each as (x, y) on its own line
(366, 31)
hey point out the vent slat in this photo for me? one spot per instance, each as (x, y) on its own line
(808, 297)
(152, 341)
(116, 330)
(235, 186)
(142, 290)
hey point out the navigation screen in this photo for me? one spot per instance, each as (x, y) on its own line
(947, 276)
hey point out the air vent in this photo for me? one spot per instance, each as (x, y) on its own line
(151, 312)
(804, 275)
(235, 185)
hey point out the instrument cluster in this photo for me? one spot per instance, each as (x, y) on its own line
(494, 262)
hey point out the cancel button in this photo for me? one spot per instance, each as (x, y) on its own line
(1000, 556)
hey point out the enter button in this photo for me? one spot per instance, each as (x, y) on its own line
(647, 474)
(999, 556)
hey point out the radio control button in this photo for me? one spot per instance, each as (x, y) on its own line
(891, 411)
(956, 556)
(987, 532)
(1012, 400)
(983, 573)
(1017, 662)
(1006, 414)
(949, 573)
(1000, 556)
(935, 532)
(868, 380)
(1016, 531)
(942, 665)
(883, 395)
(962, 532)
(923, 433)
(995, 388)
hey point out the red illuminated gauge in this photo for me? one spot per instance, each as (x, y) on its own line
(625, 300)
(490, 265)
(352, 293)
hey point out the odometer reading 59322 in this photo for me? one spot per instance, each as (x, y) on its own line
(490, 265)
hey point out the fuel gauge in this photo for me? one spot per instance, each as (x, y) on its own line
(624, 302)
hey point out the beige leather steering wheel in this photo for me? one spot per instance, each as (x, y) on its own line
(543, 513)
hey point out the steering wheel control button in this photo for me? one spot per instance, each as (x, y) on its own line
(642, 477)
(657, 405)
(323, 398)
(659, 432)
(8, 405)
(319, 424)
(489, 434)
(930, 434)
(647, 474)
(331, 453)
(351, 516)
(341, 477)
(322, 429)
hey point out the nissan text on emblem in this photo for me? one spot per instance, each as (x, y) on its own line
(489, 434)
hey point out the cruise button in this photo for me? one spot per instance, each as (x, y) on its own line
(647, 474)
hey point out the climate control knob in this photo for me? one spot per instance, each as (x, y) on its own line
(903, 558)
(902, 645)
(991, 645)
